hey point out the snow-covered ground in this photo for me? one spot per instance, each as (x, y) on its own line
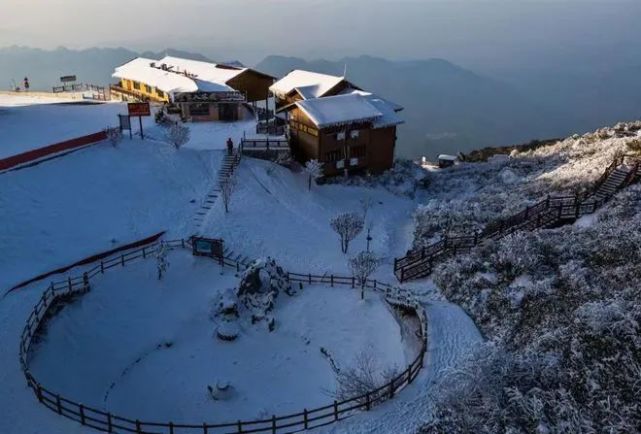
(95, 199)
(89, 201)
(13, 99)
(34, 126)
(128, 345)
(272, 213)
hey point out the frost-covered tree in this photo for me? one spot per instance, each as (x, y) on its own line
(362, 266)
(314, 170)
(347, 225)
(114, 135)
(178, 135)
(227, 187)
(363, 376)
(162, 262)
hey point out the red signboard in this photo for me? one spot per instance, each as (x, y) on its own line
(139, 109)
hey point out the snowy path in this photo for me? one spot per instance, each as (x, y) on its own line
(451, 335)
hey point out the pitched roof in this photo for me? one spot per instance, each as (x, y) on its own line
(308, 84)
(181, 75)
(387, 108)
(338, 110)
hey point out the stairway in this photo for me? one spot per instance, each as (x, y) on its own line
(551, 212)
(227, 167)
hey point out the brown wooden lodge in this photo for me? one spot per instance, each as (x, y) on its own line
(337, 123)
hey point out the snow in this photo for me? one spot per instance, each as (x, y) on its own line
(91, 200)
(17, 99)
(22, 129)
(95, 199)
(140, 69)
(308, 84)
(387, 108)
(341, 109)
(205, 71)
(90, 354)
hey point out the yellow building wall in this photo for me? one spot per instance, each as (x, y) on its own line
(153, 95)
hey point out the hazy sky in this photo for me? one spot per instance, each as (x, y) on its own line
(470, 32)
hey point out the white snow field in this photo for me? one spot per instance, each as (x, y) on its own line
(108, 349)
(272, 213)
(34, 126)
(95, 199)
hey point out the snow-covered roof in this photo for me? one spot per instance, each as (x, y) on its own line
(350, 108)
(206, 71)
(387, 108)
(447, 157)
(172, 80)
(308, 84)
(337, 110)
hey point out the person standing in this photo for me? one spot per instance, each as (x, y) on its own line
(26, 84)
(230, 146)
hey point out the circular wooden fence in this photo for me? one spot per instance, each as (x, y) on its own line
(63, 291)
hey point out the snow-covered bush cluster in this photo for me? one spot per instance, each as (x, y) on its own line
(466, 197)
(260, 285)
(562, 313)
(403, 179)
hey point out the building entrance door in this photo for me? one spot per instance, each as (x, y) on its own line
(228, 112)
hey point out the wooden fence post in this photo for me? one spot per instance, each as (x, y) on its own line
(331, 280)
(391, 389)
(310, 278)
(368, 403)
(273, 424)
(138, 428)
(171, 428)
(240, 427)
(109, 423)
(305, 417)
(69, 283)
(122, 260)
(409, 374)
(144, 253)
(182, 243)
(39, 392)
(102, 267)
(352, 281)
(82, 414)
(205, 429)
(335, 410)
(58, 404)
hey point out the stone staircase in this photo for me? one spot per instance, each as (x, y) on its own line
(227, 168)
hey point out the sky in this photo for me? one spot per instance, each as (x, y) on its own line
(470, 32)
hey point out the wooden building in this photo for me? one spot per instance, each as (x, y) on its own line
(203, 91)
(335, 122)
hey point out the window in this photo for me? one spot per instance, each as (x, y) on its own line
(312, 131)
(357, 151)
(160, 93)
(136, 85)
(199, 109)
(340, 136)
(354, 134)
(148, 88)
(334, 155)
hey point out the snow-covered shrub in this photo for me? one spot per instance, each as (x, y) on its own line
(178, 135)
(162, 262)
(114, 135)
(403, 179)
(314, 169)
(362, 266)
(561, 311)
(347, 225)
(363, 376)
(227, 187)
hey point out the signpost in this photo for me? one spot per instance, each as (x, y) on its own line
(207, 247)
(68, 78)
(139, 109)
(125, 123)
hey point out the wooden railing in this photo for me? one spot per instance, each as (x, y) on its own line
(548, 212)
(105, 421)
